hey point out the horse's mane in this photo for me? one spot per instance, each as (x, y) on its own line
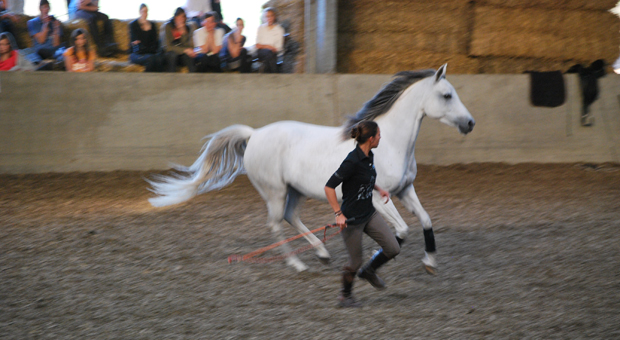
(385, 98)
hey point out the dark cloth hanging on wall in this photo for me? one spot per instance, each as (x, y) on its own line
(588, 81)
(547, 88)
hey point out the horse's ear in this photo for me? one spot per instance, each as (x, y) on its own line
(441, 73)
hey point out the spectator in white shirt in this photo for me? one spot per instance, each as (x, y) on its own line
(269, 42)
(207, 45)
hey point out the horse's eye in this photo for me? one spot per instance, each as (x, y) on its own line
(447, 96)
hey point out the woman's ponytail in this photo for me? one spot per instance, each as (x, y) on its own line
(364, 130)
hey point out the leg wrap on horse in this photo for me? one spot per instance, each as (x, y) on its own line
(429, 240)
(348, 275)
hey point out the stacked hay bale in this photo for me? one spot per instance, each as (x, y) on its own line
(395, 35)
(484, 36)
(518, 35)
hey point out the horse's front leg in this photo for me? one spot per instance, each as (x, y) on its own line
(411, 202)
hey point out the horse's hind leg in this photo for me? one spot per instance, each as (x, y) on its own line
(276, 200)
(391, 215)
(294, 200)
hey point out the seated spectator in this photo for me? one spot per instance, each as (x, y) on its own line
(208, 43)
(89, 10)
(10, 58)
(196, 9)
(79, 57)
(8, 55)
(233, 55)
(7, 19)
(46, 32)
(177, 42)
(269, 42)
(144, 43)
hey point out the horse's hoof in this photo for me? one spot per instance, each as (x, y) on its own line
(324, 260)
(297, 264)
(430, 270)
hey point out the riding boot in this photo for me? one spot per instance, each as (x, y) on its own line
(346, 298)
(368, 271)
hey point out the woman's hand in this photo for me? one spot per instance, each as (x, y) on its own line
(190, 52)
(341, 221)
(384, 194)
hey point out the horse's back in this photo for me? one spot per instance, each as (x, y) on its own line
(294, 153)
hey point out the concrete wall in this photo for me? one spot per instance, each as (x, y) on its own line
(107, 121)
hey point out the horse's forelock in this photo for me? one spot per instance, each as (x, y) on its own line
(385, 98)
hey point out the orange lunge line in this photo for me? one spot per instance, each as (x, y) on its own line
(264, 249)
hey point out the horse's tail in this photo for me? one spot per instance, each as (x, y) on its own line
(219, 164)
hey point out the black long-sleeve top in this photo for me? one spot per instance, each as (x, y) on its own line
(358, 175)
(149, 40)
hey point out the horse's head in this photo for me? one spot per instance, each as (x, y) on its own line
(443, 103)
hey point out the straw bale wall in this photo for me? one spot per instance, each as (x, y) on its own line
(590, 5)
(388, 62)
(542, 33)
(483, 36)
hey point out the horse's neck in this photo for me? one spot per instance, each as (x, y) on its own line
(401, 124)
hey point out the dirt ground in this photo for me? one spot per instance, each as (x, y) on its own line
(525, 251)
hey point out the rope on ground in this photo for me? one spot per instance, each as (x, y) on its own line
(250, 257)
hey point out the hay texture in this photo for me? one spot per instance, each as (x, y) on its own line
(485, 36)
(588, 5)
(385, 62)
(507, 65)
(547, 34)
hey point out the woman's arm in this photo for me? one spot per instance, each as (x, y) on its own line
(42, 35)
(168, 39)
(213, 47)
(90, 65)
(133, 33)
(56, 33)
(68, 63)
(234, 48)
(330, 193)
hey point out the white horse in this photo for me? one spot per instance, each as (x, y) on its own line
(288, 161)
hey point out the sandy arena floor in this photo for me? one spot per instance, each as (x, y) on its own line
(525, 252)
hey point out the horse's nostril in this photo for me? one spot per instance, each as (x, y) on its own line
(471, 124)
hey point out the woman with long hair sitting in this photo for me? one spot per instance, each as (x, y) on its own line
(177, 42)
(79, 57)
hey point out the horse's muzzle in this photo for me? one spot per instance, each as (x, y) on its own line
(466, 125)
